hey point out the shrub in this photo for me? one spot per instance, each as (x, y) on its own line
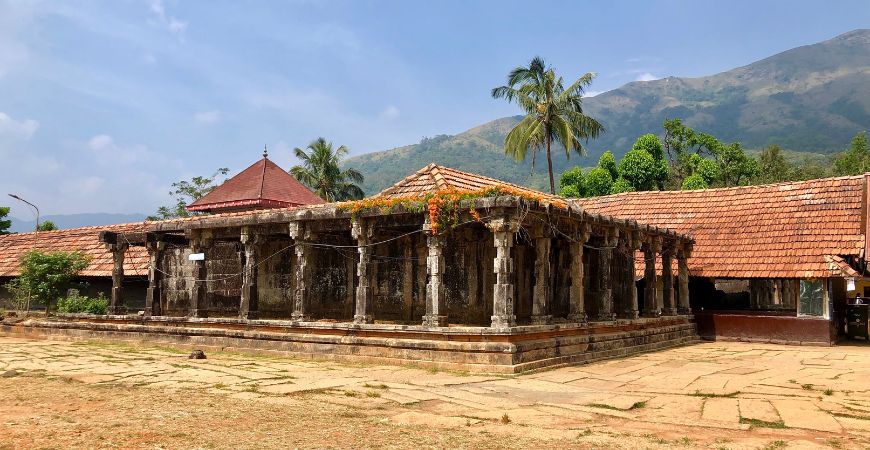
(44, 275)
(570, 191)
(79, 304)
(572, 183)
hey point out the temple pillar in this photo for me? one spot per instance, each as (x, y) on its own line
(116, 302)
(363, 232)
(503, 315)
(152, 293)
(408, 278)
(683, 255)
(543, 292)
(301, 306)
(577, 301)
(631, 244)
(605, 281)
(650, 276)
(436, 307)
(669, 305)
(199, 291)
(249, 306)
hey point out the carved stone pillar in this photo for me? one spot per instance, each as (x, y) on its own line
(249, 306)
(543, 293)
(503, 315)
(669, 305)
(436, 307)
(199, 292)
(577, 305)
(683, 254)
(605, 281)
(152, 294)
(362, 232)
(650, 276)
(117, 301)
(300, 235)
(631, 244)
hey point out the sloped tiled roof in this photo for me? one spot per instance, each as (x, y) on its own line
(263, 185)
(86, 239)
(785, 230)
(434, 178)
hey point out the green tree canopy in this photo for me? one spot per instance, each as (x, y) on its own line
(598, 182)
(5, 223)
(693, 182)
(554, 113)
(46, 226)
(651, 144)
(773, 168)
(856, 159)
(608, 162)
(321, 171)
(735, 167)
(45, 275)
(621, 185)
(572, 183)
(186, 192)
(639, 169)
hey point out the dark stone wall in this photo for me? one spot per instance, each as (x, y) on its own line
(332, 271)
(275, 281)
(223, 262)
(176, 281)
(469, 254)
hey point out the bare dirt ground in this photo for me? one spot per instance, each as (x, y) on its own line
(714, 395)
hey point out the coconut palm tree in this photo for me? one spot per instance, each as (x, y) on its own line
(321, 172)
(553, 113)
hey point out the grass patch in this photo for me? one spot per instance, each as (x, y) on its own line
(774, 445)
(253, 388)
(712, 395)
(828, 392)
(220, 386)
(376, 386)
(850, 416)
(505, 419)
(636, 405)
(373, 394)
(350, 394)
(807, 387)
(757, 423)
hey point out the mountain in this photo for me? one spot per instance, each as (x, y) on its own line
(65, 221)
(812, 98)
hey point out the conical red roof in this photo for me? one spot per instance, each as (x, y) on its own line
(263, 185)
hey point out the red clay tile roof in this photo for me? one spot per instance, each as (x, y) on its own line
(86, 239)
(263, 185)
(786, 230)
(434, 178)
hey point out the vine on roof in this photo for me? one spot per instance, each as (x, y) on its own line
(445, 206)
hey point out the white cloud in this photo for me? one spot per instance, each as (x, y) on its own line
(108, 152)
(173, 24)
(390, 113)
(17, 129)
(208, 117)
(646, 76)
(591, 93)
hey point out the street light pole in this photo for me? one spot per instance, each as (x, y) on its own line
(36, 236)
(32, 205)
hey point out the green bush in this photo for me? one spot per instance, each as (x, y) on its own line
(45, 275)
(639, 169)
(621, 185)
(572, 183)
(608, 162)
(79, 304)
(694, 182)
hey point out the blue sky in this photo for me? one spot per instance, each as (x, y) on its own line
(104, 104)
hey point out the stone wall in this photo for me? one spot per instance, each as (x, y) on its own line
(176, 281)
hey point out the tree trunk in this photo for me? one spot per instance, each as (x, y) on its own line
(550, 166)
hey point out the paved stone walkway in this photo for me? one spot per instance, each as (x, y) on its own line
(731, 386)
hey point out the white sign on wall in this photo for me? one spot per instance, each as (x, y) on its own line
(196, 257)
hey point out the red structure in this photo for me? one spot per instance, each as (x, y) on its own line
(264, 185)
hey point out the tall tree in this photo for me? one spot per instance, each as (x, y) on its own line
(554, 113)
(773, 166)
(46, 225)
(321, 171)
(856, 159)
(5, 224)
(185, 192)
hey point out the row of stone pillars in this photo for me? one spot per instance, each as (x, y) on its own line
(503, 315)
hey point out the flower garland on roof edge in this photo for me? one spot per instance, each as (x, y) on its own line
(444, 206)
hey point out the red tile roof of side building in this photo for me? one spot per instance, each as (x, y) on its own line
(786, 230)
(85, 239)
(262, 185)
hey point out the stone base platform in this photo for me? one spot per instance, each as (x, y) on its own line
(476, 349)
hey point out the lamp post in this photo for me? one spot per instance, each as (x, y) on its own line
(36, 236)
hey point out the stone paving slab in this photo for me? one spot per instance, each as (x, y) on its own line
(726, 386)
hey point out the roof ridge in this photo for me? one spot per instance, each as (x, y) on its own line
(438, 178)
(263, 176)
